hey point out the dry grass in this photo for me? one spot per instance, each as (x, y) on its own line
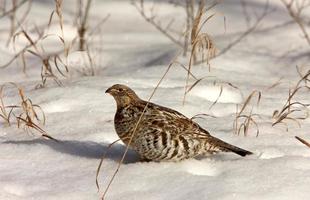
(4, 114)
(25, 114)
(251, 28)
(21, 53)
(274, 85)
(49, 63)
(14, 8)
(53, 65)
(194, 14)
(202, 116)
(173, 63)
(101, 161)
(47, 69)
(194, 23)
(295, 8)
(58, 10)
(303, 141)
(151, 17)
(11, 14)
(201, 44)
(245, 118)
(186, 38)
(294, 110)
(82, 19)
(221, 84)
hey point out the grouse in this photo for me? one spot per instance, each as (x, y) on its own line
(161, 134)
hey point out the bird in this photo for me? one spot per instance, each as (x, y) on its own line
(158, 133)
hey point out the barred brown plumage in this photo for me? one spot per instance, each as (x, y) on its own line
(162, 134)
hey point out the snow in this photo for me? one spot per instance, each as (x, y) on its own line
(134, 53)
(212, 93)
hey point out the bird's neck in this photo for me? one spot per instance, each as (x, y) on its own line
(125, 101)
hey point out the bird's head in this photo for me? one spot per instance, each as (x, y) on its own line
(122, 94)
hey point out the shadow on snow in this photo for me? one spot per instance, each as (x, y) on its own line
(87, 149)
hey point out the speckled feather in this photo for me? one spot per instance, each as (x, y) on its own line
(162, 134)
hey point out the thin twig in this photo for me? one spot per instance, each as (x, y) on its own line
(303, 141)
(247, 32)
(136, 126)
(296, 15)
(5, 13)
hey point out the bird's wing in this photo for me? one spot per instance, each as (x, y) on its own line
(166, 119)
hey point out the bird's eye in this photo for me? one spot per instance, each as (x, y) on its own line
(120, 89)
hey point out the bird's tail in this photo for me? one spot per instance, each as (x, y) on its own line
(220, 145)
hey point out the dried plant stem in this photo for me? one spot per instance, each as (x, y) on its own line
(14, 8)
(14, 22)
(12, 17)
(83, 24)
(189, 8)
(101, 161)
(288, 108)
(247, 32)
(4, 115)
(32, 43)
(245, 12)
(247, 118)
(25, 114)
(296, 14)
(151, 19)
(136, 126)
(59, 13)
(303, 141)
(199, 42)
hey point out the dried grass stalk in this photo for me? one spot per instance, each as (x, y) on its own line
(173, 63)
(247, 118)
(295, 9)
(303, 141)
(249, 30)
(201, 43)
(292, 109)
(25, 114)
(101, 161)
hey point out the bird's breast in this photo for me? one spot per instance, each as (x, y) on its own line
(125, 120)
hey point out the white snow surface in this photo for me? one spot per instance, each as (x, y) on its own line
(134, 53)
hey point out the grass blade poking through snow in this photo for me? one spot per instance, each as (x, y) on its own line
(201, 43)
(101, 161)
(25, 114)
(303, 141)
(247, 118)
(3, 113)
(292, 106)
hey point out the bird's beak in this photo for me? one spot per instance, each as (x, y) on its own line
(109, 90)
